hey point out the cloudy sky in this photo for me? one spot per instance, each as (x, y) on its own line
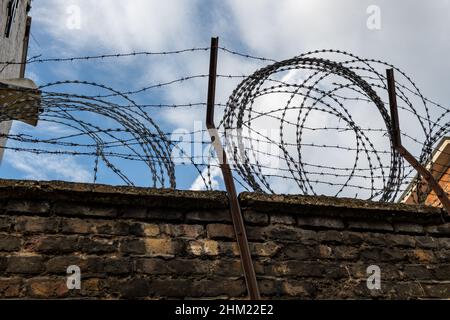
(411, 34)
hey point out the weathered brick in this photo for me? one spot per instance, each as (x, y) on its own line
(133, 212)
(389, 271)
(133, 246)
(120, 228)
(370, 225)
(443, 229)
(300, 252)
(442, 272)
(151, 230)
(209, 216)
(353, 238)
(103, 227)
(97, 245)
(399, 240)
(331, 237)
(306, 252)
(298, 289)
(348, 289)
(24, 206)
(226, 267)
(377, 239)
(111, 227)
(262, 266)
(177, 288)
(443, 243)
(204, 247)
(276, 232)
(408, 227)
(173, 267)
(220, 231)
(3, 263)
(298, 268)
(405, 290)
(436, 290)
(94, 264)
(324, 251)
(389, 240)
(345, 252)
(165, 214)
(163, 247)
(383, 254)
(269, 287)
(10, 287)
(72, 209)
(25, 265)
(9, 243)
(425, 256)
(157, 266)
(282, 219)
(36, 225)
(47, 288)
(443, 255)
(5, 223)
(117, 265)
(218, 287)
(266, 249)
(87, 264)
(80, 226)
(189, 267)
(257, 233)
(426, 242)
(54, 244)
(59, 264)
(133, 228)
(256, 218)
(229, 249)
(132, 288)
(321, 222)
(188, 231)
(92, 287)
(172, 288)
(418, 272)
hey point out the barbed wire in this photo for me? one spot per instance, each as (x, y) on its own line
(313, 124)
(325, 86)
(37, 59)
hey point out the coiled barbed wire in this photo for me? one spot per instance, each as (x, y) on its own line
(135, 135)
(336, 86)
(311, 103)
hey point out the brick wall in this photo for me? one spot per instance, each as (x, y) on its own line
(444, 181)
(144, 243)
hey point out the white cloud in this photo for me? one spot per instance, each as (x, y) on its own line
(215, 173)
(119, 25)
(45, 128)
(47, 167)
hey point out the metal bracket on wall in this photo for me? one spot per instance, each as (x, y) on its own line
(20, 100)
(235, 209)
(397, 142)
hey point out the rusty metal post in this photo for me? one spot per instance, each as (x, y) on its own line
(397, 142)
(235, 209)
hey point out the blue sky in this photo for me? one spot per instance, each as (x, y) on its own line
(413, 35)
